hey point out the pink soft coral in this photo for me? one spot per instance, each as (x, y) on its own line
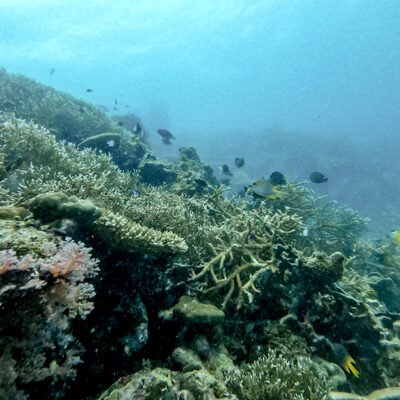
(69, 257)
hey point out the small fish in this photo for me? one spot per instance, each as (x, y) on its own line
(396, 237)
(262, 188)
(253, 236)
(318, 177)
(341, 357)
(201, 182)
(225, 170)
(164, 133)
(137, 129)
(135, 193)
(81, 109)
(52, 71)
(115, 108)
(126, 105)
(89, 90)
(239, 162)
(277, 178)
(115, 101)
(119, 123)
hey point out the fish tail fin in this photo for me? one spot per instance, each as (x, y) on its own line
(349, 367)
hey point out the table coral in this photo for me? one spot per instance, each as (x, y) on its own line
(122, 233)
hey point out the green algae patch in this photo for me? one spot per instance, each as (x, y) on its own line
(193, 311)
(11, 212)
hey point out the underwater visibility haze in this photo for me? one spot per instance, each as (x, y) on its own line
(290, 85)
(199, 199)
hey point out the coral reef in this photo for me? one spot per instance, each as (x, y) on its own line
(194, 312)
(192, 381)
(156, 173)
(273, 377)
(69, 119)
(118, 232)
(51, 206)
(281, 284)
(246, 254)
(390, 363)
(44, 294)
(105, 142)
(328, 226)
(55, 110)
(20, 235)
(60, 172)
(326, 269)
(193, 175)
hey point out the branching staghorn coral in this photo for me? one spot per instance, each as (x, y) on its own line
(45, 165)
(247, 250)
(34, 162)
(259, 241)
(30, 152)
(328, 226)
(274, 377)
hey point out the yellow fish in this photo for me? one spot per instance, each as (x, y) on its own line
(348, 366)
(396, 236)
(262, 188)
(343, 358)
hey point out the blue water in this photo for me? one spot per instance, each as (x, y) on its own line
(293, 85)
